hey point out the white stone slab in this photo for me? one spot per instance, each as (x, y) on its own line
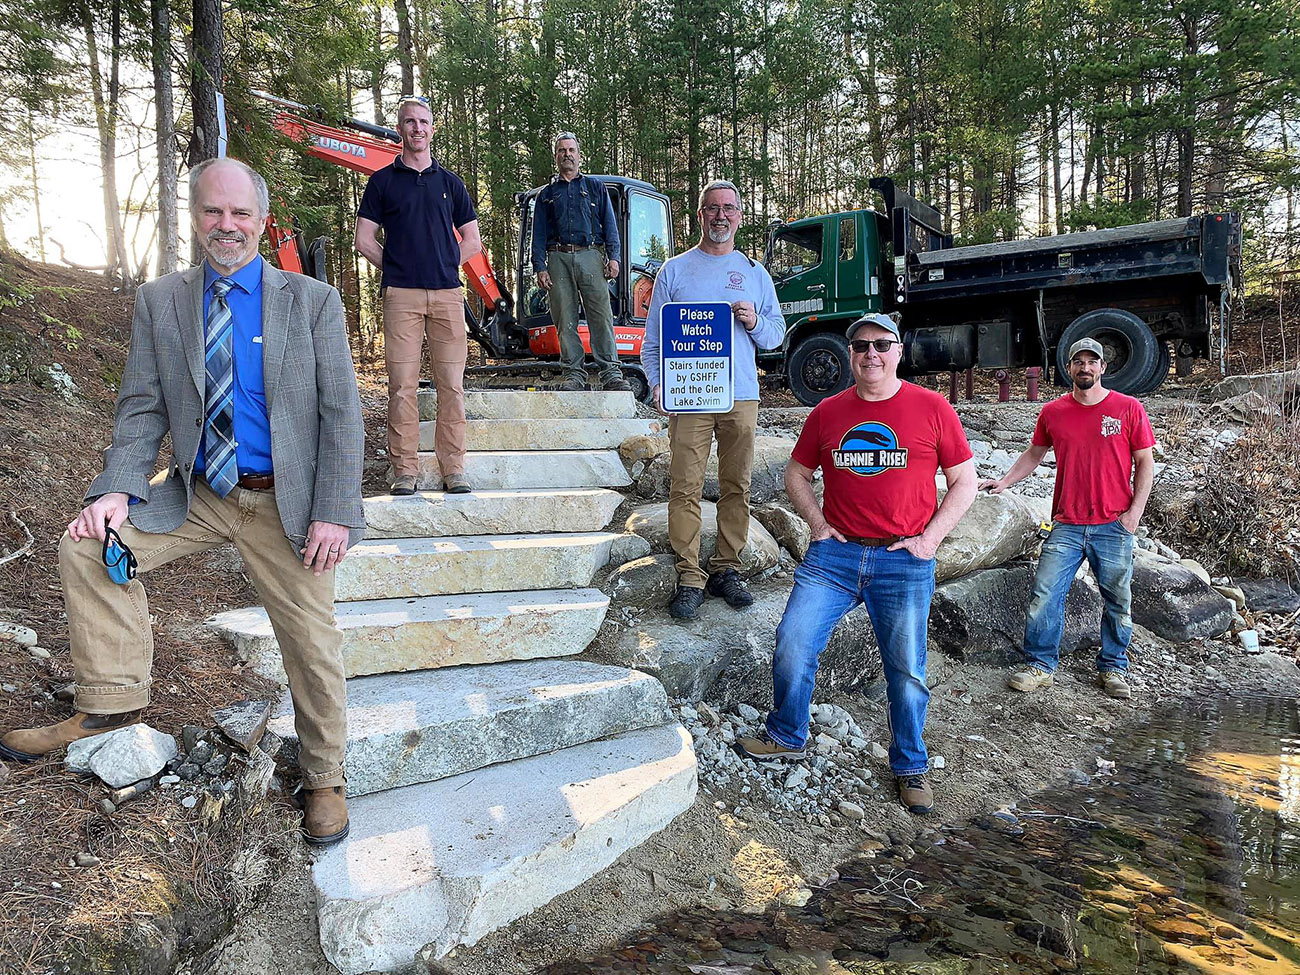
(548, 434)
(391, 568)
(433, 513)
(496, 470)
(445, 863)
(383, 636)
(409, 728)
(539, 404)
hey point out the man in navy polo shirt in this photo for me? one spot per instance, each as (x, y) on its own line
(422, 207)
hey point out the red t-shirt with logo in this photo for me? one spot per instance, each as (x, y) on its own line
(1094, 448)
(879, 459)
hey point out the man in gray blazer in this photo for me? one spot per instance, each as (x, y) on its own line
(248, 369)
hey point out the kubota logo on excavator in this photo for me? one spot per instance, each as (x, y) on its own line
(338, 145)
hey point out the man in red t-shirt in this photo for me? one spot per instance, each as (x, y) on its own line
(1104, 467)
(879, 445)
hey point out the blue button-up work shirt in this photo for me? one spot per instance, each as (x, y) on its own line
(575, 211)
(252, 421)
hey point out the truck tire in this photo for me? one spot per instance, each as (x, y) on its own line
(1131, 348)
(1159, 372)
(819, 367)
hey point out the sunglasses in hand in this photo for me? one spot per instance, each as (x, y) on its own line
(118, 559)
(882, 346)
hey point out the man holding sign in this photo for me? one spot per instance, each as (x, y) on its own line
(708, 395)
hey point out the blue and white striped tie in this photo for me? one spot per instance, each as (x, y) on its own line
(219, 412)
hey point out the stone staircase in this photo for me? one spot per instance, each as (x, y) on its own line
(487, 772)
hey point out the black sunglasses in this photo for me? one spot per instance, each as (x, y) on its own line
(882, 346)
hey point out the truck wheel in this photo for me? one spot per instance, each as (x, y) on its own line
(1131, 348)
(640, 385)
(819, 367)
(1159, 372)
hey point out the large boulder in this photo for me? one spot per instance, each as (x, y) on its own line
(980, 617)
(766, 481)
(726, 656)
(1269, 596)
(1173, 602)
(996, 529)
(790, 531)
(647, 582)
(650, 521)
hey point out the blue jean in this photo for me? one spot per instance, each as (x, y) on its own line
(1109, 551)
(896, 588)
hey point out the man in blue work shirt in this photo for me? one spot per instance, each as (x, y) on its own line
(575, 249)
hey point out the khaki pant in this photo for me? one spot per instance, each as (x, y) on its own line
(411, 314)
(112, 642)
(583, 273)
(689, 435)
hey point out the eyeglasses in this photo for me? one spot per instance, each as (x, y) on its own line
(728, 208)
(860, 346)
(118, 559)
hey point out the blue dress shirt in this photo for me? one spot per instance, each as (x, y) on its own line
(252, 422)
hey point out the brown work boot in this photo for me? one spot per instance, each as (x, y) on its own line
(325, 815)
(1114, 684)
(914, 793)
(32, 744)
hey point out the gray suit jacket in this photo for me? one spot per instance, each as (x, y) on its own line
(311, 396)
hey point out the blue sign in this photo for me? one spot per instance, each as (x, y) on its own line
(695, 357)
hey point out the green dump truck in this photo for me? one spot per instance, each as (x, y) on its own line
(1151, 293)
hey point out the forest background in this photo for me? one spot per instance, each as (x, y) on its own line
(1013, 117)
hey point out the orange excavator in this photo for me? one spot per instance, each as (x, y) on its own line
(515, 326)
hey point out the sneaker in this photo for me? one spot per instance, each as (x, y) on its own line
(403, 486)
(686, 602)
(1029, 679)
(730, 587)
(324, 816)
(31, 744)
(616, 385)
(574, 385)
(456, 484)
(762, 747)
(1114, 684)
(915, 794)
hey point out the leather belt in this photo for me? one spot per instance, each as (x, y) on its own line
(568, 248)
(874, 542)
(257, 482)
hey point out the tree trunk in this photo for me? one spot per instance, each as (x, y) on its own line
(405, 47)
(1187, 132)
(36, 190)
(106, 124)
(206, 79)
(377, 69)
(166, 136)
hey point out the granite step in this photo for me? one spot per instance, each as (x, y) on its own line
(445, 863)
(548, 434)
(394, 568)
(383, 636)
(433, 513)
(404, 729)
(540, 404)
(498, 470)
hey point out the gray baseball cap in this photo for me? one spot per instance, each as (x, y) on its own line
(1088, 345)
(877, 319)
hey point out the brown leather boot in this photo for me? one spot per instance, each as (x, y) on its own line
(325, 815)
(32, 744)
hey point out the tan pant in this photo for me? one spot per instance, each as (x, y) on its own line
(689, 435)
(112, 642)
(411, 314)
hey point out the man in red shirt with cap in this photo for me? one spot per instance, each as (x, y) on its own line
(879, 445)
(1104, 469)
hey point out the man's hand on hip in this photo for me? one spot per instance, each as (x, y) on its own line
(918, 545)
(611, 269)
(826, 531)
(110, 508)
(326, 545)
(1129, 519)
(544, 280)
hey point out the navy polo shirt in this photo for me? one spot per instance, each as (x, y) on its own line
(419, 211)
